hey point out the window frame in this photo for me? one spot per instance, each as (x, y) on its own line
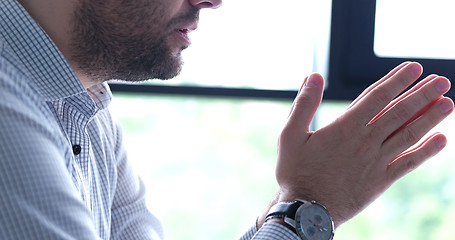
(223, 92)
(353, 66)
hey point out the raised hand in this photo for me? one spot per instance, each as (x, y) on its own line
(346, 165)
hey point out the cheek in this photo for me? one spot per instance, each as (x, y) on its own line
(174, 8)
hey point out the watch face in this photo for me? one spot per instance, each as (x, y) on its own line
(314, 223)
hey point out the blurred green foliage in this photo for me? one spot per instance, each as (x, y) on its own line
(208, 165)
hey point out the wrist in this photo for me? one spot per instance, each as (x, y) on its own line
(261, 219)
(305, 218)
(281, 221)
(291, 195)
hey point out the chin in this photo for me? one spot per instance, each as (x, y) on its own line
(171, 68)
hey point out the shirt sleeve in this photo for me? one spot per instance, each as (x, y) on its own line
(249, 234)
(269, 231)
(275, 231)
(130, 217)
(38, 200)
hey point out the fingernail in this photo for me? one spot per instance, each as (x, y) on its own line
(442, 85)
(416, 69)
(446, 107)
(441, 142)
(311, 82)
(303, 84)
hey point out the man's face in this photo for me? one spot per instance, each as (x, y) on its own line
(132, 40)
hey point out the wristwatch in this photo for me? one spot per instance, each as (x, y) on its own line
(310, 220)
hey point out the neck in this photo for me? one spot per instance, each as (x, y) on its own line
(55, 17)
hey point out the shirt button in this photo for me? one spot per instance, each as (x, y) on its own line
(77, 149)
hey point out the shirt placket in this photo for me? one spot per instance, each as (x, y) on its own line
(74, 124)
(82, 167)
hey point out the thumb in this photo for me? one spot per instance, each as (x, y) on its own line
(306, 103)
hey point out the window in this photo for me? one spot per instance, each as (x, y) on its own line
(368, 38)
(208, 165)
(207, 162)
(414, 29)
(254, 48)
(205, 143)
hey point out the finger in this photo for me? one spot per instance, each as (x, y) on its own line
(386, 77)
(410, 160)
(293, 103)
(401, 97)
(413, 132)
(381, 95)
(306, 103)
(416, 116)
(410, 107)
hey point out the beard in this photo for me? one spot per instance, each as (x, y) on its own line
(125, 41)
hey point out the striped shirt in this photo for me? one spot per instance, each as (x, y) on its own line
(64, 173)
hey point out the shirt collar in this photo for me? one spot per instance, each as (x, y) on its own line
(100, 94)
(39, 55)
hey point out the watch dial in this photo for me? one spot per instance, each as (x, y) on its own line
(315, 223)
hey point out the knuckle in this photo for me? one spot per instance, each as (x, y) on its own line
(409, 136)
(425, 97)
(403, 167)
(283, 136)
(410, 165)
(428, 96)
(305, 99)
(401, 113)
(395, 174)
(287, 136)
(405, 77)
(380, 95)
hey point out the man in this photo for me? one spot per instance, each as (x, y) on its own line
(63, 170)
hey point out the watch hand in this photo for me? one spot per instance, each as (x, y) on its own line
(322, 229)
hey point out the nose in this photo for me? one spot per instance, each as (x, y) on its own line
(206, 3)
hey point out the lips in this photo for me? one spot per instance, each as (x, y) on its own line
(183, 33)
(189, 27)
(185, 30)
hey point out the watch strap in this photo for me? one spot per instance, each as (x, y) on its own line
(286, 222)
(284, 209)
(285, 212)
